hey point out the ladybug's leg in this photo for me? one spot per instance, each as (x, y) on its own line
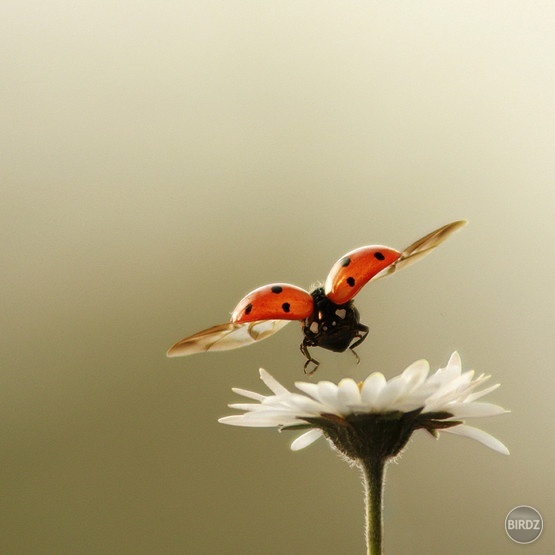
(304, 350)
(361, 335)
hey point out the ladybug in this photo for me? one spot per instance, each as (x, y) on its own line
(327, 315)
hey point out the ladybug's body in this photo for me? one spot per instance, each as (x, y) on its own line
(328, 316)
(335, 327)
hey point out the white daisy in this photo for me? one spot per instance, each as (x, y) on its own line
(358, 417)
(370, 422)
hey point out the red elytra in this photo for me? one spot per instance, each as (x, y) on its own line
(275, 301)
(355, 269)
(327, 315)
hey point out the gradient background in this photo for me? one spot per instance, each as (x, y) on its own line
(161, 159)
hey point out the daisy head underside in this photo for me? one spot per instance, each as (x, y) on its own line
(376, 416)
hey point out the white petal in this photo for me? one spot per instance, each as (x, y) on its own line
(453, 382)
(272, 383)
(308, 388)
(249, 394)
(348, 392)
(466, 377)
(482, 392)
(446, 375)
(327, 393)
(304, 406)
(313, 390)
(259, 420)
(371, 388)
(478, 435)
(306, 439)
(417, 372)
(240, 420)
(410, 403)
(280, 414)
(455, 361)
(390, 393)
(457, 389)
(245, 406)
(472, 410)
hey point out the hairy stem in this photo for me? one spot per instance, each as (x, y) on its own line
(373, 471)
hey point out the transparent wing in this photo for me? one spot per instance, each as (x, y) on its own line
(227, 336)
(421, 248)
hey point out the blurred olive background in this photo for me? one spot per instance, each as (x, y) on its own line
(162, 159)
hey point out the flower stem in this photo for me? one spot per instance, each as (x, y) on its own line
(373, 472)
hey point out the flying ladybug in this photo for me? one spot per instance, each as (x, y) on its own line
(327, 315)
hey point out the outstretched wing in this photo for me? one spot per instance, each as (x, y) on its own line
(224, 337)
(355, 269)
(419, 249)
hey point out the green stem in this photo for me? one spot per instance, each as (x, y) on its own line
(373, 472)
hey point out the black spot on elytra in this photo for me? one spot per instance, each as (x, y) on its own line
(286, 307)
(379, 256)
(248, 309)
(345, 262)
(351, 281)
(277, 289)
